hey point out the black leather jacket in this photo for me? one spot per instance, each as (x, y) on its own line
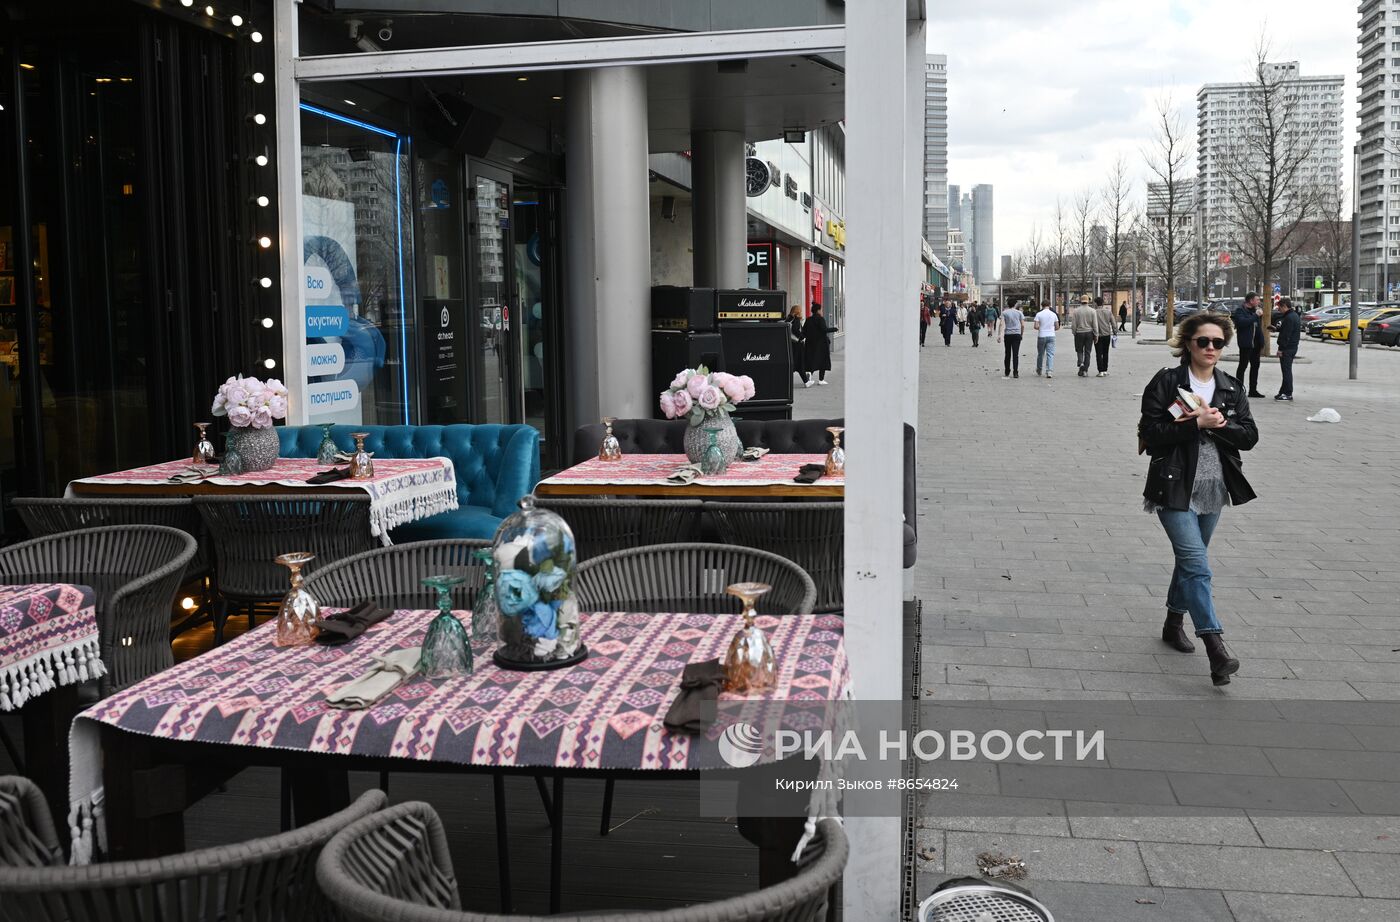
(1175, 447)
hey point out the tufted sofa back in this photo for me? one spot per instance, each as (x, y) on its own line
(495, 465)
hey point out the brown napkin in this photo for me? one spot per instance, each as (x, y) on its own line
(809, 473)
(696, 708)
(351, 623)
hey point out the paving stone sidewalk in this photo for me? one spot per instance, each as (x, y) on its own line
(1042, 578)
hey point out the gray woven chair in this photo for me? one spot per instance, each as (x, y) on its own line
(602, 526)
(811, 535)
(392, 576)
(395, 866)
(135, 571)
(261, 879)
(249, 532)
(27, 838)
(691, 578)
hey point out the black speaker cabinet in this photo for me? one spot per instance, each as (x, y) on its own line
(763, 411)
(674, 308)
(674, 350)
(761, 350)
(750, 304)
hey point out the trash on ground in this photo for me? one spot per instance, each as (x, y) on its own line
(999, 865)
(1325, 415)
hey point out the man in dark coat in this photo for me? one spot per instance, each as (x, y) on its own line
(1290, 327)
(974, 322)
(1249, 336)
(947, 319)
(816, 347)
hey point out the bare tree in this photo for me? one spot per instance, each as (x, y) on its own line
(1267, 182)
(1084, 217)
(1169, 206)
(1334, 241)
(1117, 216)
(1058, 254)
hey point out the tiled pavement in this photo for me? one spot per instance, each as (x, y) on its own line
(1042, 578)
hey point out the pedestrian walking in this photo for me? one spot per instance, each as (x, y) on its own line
(816, 347)
(925, 318)
(1249, 337)
(1081, 324)
(1123, 317)
(1103, 335)
(1194, 473)
(974, 322)
(990, 315)
(1047, 324)
(1290, 326)
(962, 319)
(799, 366)
(1009, 325)
(947, 319)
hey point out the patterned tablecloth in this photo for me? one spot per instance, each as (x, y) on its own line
(402, 489)
(48, 638)
(605, 712)
(643, 470)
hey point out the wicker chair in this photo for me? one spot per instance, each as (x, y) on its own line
(262, 879)
(27, 838)
(691, 578)
(391, 576)
(811, 535)
(135, 571)
(249, 532)
(602, 526)
(394, 866)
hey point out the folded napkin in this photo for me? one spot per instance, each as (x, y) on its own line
(349, 624)
(330, 476)
(684, 475)
(809, 473)
(345, 457)
(387, 673)
(193, 474)
(696, 708)
(753, 454)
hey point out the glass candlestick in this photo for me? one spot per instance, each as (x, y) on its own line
(610, 450)
(203, 448)
(836, 457)
(749, 666)
(326, 451)
(232, 464)
(361, 464)
(447, 650)
(485, 613)
(296, 619)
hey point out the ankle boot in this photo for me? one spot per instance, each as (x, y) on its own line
(1175, 635)
(1222, 664)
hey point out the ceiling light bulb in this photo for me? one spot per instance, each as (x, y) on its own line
(259, 118)
(255, 36)
(265, 282)
(521, 79)
(258, 76)
(235, 20)
(187, 3)
(270, 363)
(187, 603)
(262, 201)
(267, 323)
(260, 159)
(208, 11)
(264, 242)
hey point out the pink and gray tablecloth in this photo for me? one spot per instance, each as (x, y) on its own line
(605, 712)
(402, 490)
(644, 470)
(48, 638)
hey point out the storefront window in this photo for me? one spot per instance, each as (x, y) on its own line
(357, 239)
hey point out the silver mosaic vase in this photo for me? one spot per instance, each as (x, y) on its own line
(257, 447)
(698, 440)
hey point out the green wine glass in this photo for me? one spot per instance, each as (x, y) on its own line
(447, 651)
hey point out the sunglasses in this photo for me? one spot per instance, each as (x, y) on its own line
(1205, 342)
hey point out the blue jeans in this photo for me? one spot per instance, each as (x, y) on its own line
(1045, 353)
(1190, 534)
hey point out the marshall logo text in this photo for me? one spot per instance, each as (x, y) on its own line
(752, 357)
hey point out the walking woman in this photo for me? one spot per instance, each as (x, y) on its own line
(962, 319)
(1009, 331)
(1195, 472)
(794, 319)
(816, 348)
(947, 319)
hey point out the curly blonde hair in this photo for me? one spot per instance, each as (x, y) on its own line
(1186, 331)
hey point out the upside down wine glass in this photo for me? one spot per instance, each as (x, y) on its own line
(296, 618)
(447, 650)
(327, 450)
(361, 463)
(203, 448)
(749, 665)
(836, 457)
(611, 449)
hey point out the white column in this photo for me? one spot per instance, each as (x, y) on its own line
(287, 119)
(879, 299)
(608, 248)
(719, 216)
(914, 198)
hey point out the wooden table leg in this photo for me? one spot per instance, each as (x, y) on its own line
(144, 799)
(317, 790)
(498, 784)
(556, 846)
(45, 721)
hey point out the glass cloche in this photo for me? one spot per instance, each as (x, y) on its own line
(534, 590)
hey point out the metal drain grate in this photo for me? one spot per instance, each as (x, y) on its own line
(982, 903)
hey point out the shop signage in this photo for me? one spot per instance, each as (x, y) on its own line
(790, 186)
(444, 350)
(323, 397)
(818, 216)
(836, 230)
(761, 258)
(319, 283)
(324, 320)
(324, 359)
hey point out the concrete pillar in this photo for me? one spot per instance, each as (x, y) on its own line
(608, 245)
(720, 218)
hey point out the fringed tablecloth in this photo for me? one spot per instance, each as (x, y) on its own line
(48, 638)
(645, 470)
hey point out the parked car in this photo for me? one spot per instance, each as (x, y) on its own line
(1340, 330)
(1383, 331)
(1335, 312)
(1225, 305)
(1180, 311)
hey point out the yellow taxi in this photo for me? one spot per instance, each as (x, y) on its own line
(1340, 330)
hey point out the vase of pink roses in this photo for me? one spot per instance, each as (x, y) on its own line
(251, 406)
(704, 399)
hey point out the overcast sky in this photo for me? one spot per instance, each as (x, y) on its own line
(1044, 96)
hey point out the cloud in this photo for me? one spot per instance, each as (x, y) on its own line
(1042, 97)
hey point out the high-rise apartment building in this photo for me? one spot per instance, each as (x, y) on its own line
(984, 267)
(1378, 183)
(954, 207)
(936, 153)
(1226, 113)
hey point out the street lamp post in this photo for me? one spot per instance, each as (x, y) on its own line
(1354, 340)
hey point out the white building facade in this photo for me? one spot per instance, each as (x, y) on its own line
(936, 153)
(1378, 184)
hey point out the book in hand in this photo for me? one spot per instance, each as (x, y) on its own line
(1184, 403)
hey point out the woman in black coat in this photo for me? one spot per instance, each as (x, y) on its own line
(1195, 473)
(816, 348)
(794, 319)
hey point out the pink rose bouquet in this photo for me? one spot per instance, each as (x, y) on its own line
(697, 394)
(250, 402)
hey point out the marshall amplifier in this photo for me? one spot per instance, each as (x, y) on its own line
(674, 308)
(763, 352)
(750, 304)
(673, 350)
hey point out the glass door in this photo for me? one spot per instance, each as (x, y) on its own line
(492, 315)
